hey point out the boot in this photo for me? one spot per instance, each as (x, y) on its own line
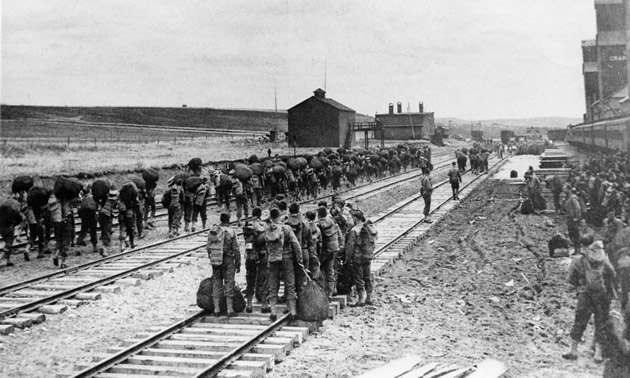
(101, 251)
(573, 354)
(26, 256)
(248, 309)
(368, 299)
(122, 246)
(94, 249)
(274, 312)
(265, 307)
(217, 308)
(362, 298)
(203, 225)
(598, 354)
(330, 290)
(62, 264)
(186, 226)
(292, 309)
(230, 307)
(40, 253)
(192, 226)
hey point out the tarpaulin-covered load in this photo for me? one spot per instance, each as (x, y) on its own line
(129, 193)
(139, 181)
(267, 164)
(38, 196)
(192, 183)
(67, 188)
(315, 164)
(302, 162)
(375, 158)
(278, 170)
(324, 161)
(256, 168)
(21, 184)
(243, 172)
(194, 163)
(204, 297)
(151, 177)
(312, 303)
(10, 215)
(337, 171)
(293, 164)
(100, 189)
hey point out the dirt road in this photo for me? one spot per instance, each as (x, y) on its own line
(480, 285)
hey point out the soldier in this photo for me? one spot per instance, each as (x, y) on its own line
(256, 192)
(315, 249)
(126, 223)
(256, 264)
(332, 240)
(455, 177)
(303, 234)
(573, 213)
(225, 258)
(426, 189)
(60, 212)
(87, 213)
(105, 217)
(359, 250)
(10, 217)
(200, 204)
(189, 196)
(138, 212)
(149, 206)
(176, 193)
(240, 197)
(282, 249)
(35, 219)
(594, 278)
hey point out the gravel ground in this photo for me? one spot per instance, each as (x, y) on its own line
(63, 341)
(474, 288)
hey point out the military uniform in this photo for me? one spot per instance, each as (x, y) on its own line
(573, 212)
(87, 213)
(281, 263)
(359, 250)
(224, 274)
(455, 177)
(11, 217)
(256, 263)
(200, 206)
(175, 210)
(126, 223)
(426, 190)
(105, 218)
(332, 240)
(149, 207)
(302, 232)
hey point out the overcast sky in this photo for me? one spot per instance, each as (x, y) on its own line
(470, 59)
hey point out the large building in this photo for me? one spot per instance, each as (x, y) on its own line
(605, 63)
(409, 125)
(320, 122)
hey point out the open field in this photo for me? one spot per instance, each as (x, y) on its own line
(254, 120)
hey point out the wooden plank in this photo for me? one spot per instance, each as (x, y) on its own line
(489, 368)
(420, 372)
(394, 368)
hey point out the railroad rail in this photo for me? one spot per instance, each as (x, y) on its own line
(204, 346)
(70, 286)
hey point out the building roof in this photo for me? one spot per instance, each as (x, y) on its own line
(328, 101)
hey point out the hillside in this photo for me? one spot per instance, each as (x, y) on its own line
(233, 119)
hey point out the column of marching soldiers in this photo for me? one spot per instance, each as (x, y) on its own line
(42, 212)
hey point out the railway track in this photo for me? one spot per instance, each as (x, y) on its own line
(54, 293)
(205, 346)
(162, 213)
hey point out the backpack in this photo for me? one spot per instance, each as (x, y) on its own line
(255, 181)
(296, 224)
(238, 187)
(330, 240)
(368, 236)
(216, 238)
(274, 239)
(200, 195)
(595, 278)
(174, 194)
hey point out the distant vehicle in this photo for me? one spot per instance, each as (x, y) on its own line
(507, 135)
(603, 135)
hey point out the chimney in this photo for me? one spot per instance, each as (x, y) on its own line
(399, 105)
(421, 107)
(320, 93)
(391, 108)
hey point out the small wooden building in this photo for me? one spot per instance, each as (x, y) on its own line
(402, 126)
(320, 122)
